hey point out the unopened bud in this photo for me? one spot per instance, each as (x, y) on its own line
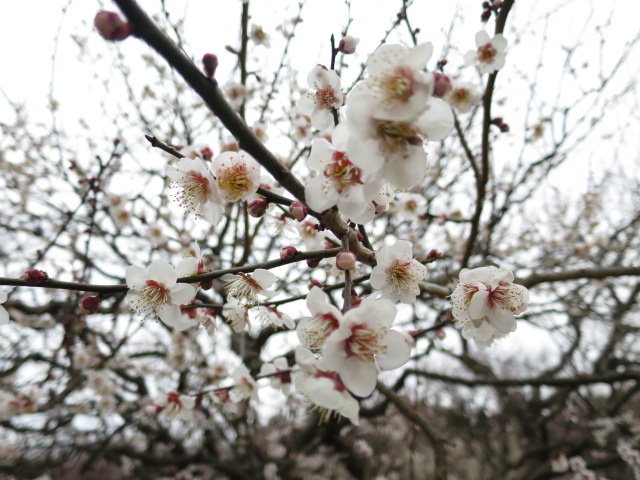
(298, 211)
(486, 15)
(287, 253)
(348, 44)
(313, 262)
(210, 63)
(89, 305)
(434, 255)
(442, 85)
(34, 276)
(111, 27)
(345, 260)
(258, 207)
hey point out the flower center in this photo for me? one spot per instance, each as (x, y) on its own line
(460, 95)
(195, 190)
(400, 275)
(325, 99)
(342, 172)
(396, 137)
(504, 297)
(398, 86)
(151, 296)
(317, 330)
(487, 53)
(365, 342)
(234, 181)
(244, 289)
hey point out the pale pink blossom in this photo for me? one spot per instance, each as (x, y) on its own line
(196, 190)
(237, 175)
(236, 314)
(485, 302)
(272, 316)
(327, 95)
(259, 36)
(348, 44)
(489, 54)
(156, 291)
(244, 387)
(463, 96)
(397, 274)
(363, 343)
(282, 381)
(409, 206)
(175, 406)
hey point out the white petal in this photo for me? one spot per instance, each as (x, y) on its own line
(182, 293)
(187, 266)
(4, 316)
(479, 307)
(502, 319)
(482, 38)
(163, 273)
(136, 276)
(398, 351)
(321, 154)
(322, 119)
(409, 171)
(318, 196)
(437, 121)
(419, 55)
(385, 58)
(3, 297)
(499, 42)
(358, 376)
(264, 277)
(169, 313)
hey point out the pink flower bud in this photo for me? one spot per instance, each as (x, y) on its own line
(434, 255)
(287, 253)
(298, 211)
(313, 262)
(34, 276)
(486, 15)
(443, 85)
(89, 305)
(345, 260)
(348, 44)
(258, 207)
(210, 63)
(111, 27)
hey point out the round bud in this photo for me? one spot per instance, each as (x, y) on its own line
(313, 262)
(258, 207)
(348, 44)
(442, 85)
(298, 211)
(89, 305)
(345, 260)
(210, 63)
(111, 27)
(287, 253)
(34, 276)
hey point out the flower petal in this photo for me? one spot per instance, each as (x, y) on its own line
(398, 351)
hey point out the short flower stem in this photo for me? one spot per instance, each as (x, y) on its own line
(348, 283)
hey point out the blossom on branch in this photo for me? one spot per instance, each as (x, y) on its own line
(398, 274)
(237, 175)
(156, 291)
(328, 95)
(325, 319)
(246, 287)
(490, 52)
(485, 302)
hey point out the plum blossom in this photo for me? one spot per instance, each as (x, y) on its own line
(312, 238)
(324, 320)
(323, 388)
(236, 94)
(490, 52)
(398, 274)
(175, 406)
(409, 206)
(393, 149)
(485, 302)
(463, 96)
(259, 36)
(4, 315)
(196, 190)
(362, 343)
(272, 316)
(318, 105)
(237, 175)
(282, 381)
(246, 287)
(235, 314)
(397, 81)
(339, 182)
(244, 385)
(156, 291)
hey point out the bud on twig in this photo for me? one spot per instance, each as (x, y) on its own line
(442, 85)
(111, 27)
(348, 44)
(345, 260)
(287, 253)
(210, 63)
(89, 305)
(258, 207)
(313, 262)
(34, 276)
(298, 211)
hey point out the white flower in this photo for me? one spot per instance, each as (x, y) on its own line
(339, 182)
(397, 274)
(4, 315)
(282, 381)
(244, 385)
(272, 316)
(312, 238)
(485, 302)
(489, 54)
(560, 464)
(463, 96)
(177, 406)
(196, 189)
(328, 95)
(323, 388)
(156, 291)
(237, 175)
(325, 319)
(236, 314)
(364, 342)
(245, 287)
(397, 81)
(409, 206)
(259, 36)
(236, 94)
(393, 149)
